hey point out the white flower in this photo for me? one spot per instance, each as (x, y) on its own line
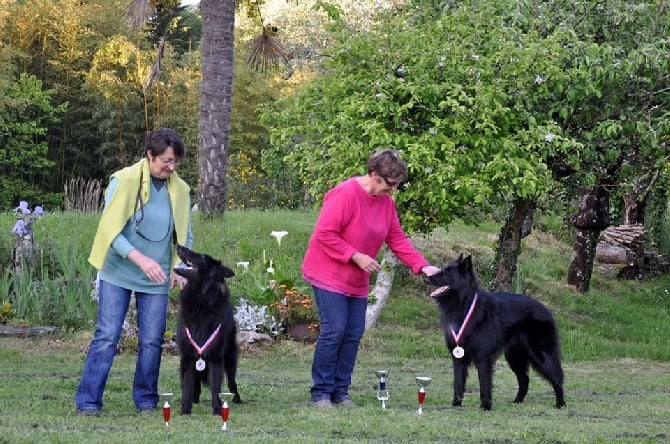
(270, 269)
(539, 80)
(279, 235)
(549, 137)
(244, 264)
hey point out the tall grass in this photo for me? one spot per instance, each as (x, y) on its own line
(615, 319)
(54, 286)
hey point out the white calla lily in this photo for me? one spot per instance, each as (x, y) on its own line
(279, 235)
(244, 264)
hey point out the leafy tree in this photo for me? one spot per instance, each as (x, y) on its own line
(437, 92)
(114, 88)
(617, 109)
(489, 102)
(25, 112)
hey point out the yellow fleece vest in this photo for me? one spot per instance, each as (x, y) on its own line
(122, 206)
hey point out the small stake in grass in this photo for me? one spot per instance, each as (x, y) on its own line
(166, 409)
(423, 382)
(225, 408)
(382, 393)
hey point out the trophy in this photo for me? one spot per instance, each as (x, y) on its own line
(382, 393)
(225, 408)
(423, 382)
(166, 408)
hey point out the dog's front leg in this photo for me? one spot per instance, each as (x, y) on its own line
(485, 373)
(214, 382)
(188, 381)
(460, 376)
(230, 367)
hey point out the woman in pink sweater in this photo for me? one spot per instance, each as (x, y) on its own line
(358, 216)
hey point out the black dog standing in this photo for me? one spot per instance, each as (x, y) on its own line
(479, 325)
(205, 330)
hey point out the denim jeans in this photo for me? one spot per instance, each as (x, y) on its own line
(342, 326)
(151, 317)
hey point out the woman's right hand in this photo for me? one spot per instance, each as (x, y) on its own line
(150, 267)
(365, 262)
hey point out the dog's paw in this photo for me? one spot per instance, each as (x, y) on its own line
(457, 402)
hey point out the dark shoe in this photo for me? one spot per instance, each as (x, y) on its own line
(346, 403)
(88, 412)
(322, 404)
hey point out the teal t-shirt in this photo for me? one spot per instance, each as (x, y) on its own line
(149, 230)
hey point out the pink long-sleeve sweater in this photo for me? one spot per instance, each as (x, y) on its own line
(352, 220)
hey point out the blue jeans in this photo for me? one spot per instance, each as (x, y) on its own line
(342, 326)
(151, 318)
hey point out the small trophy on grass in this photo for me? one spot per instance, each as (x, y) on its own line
(423, 382)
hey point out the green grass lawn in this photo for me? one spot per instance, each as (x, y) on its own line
(614, 400)
(615, 347)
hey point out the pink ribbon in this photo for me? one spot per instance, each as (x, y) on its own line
(457, 337)
(209, 341)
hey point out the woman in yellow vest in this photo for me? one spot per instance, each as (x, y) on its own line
(147, 212)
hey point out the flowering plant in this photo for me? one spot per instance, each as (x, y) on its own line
(293, 307)
(268, 287)
(6, 312)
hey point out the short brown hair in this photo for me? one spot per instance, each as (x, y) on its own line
(387, 163)
(158, 140)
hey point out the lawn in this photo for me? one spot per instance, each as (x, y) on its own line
(615, 349)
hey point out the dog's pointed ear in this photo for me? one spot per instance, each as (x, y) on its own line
(460, 258)
(467, 264)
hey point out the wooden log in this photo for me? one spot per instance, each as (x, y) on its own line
(613, 254)
(26, 331)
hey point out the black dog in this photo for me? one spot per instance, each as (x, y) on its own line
(479, 325)
(205, 330)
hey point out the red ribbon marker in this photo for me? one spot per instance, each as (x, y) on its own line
(166, 413)
(225, 411)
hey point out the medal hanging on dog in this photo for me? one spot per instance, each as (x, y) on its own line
(200, 364)
(458, 351)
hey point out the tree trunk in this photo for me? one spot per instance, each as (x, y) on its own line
(382, 289)
(634, 205)
(218, 20)
(591, 218)
(509, 244)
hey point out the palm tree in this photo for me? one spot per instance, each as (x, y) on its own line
(218, 43)
(217, 46)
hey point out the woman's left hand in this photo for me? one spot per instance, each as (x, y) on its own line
(429, 270)
(179, 280)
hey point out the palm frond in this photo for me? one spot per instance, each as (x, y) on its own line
(155, 72)
(266, 52)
